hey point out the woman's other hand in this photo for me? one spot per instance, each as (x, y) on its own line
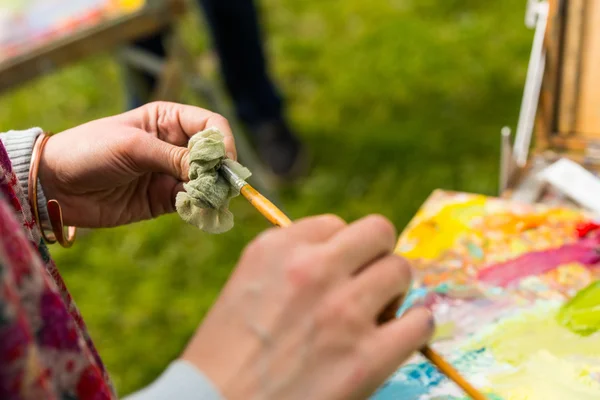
(298, 317)
(125, 168)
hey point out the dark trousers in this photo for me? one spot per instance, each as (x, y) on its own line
(236, 34)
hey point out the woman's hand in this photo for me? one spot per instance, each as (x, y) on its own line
(297, 319)
(126, 168)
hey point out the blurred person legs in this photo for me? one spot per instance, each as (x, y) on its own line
(236, 34)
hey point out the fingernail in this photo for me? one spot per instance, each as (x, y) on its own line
(230, 155)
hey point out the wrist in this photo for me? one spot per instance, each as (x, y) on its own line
(19, 146)
(181, 380)
(54, 209)
(46, 172)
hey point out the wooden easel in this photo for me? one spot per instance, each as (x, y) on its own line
(177, 71)
(567, 112)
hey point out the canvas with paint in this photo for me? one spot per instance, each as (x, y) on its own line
(512, 290)
(28, 24)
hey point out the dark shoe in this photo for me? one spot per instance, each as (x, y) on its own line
(279, 149)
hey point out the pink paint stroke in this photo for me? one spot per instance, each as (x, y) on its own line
(584, 252)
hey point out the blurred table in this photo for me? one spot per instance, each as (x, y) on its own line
(76, 34)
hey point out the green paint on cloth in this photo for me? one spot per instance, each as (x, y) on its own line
(581, 314)
(205, 202)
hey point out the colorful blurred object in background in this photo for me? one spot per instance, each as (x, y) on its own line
(27, 24)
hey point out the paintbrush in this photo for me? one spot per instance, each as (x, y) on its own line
(278, 218)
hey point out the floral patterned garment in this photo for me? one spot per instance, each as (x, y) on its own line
(45, 350)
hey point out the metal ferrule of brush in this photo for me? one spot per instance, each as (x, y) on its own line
(232, 178)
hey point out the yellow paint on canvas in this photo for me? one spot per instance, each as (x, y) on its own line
(129, 5)
(546, 377)
(513, 340)
(444, 330)
(430, 236)
(440, 224)
(551, 362)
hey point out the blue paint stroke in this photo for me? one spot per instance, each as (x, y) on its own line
(416, 294)
(448, 397)
(410, 383)
(411, 298)
(475, 251)
(414, 380)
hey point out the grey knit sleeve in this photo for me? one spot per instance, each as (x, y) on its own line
(19, 146)
(181, 381)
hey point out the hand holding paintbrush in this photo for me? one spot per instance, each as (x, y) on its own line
(278, 218)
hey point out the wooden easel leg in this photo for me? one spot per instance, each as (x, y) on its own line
(170, 82)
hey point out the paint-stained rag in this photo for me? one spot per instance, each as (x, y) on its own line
(205, 202)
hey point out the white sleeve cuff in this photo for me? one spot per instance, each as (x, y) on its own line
(181, 381)
(19, 146)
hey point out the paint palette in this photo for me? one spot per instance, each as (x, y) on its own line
(495, 274)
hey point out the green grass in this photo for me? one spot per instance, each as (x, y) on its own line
(394, 97)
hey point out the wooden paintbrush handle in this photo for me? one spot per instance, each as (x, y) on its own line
(448, 370)
(265, 207)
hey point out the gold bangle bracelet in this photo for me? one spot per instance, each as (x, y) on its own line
(54, 209)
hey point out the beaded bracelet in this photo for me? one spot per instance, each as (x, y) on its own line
(54, 210)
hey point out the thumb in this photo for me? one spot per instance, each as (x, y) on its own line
(154, 155)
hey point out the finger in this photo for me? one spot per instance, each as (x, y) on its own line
(362, 242)
(176, 123)
(397, 340)
(161, 194)
(153, 155)
(373, 289)
(311, 229)
(318, 228)
(178, 188)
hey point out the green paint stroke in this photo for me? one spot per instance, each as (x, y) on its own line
(581, 314)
